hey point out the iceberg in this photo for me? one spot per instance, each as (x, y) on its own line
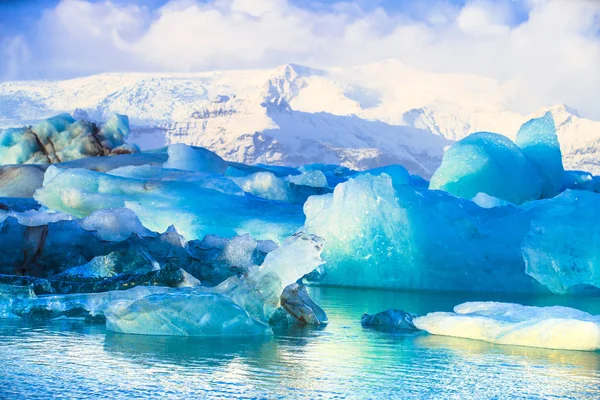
(297, 308)
(62, 138)
(183, 313)
(313, 178)
(561, 250)
(391, 318)
(239, 306)
(89, 306)
(538, 141)
(197, 159)
(488, 163)
(162, 203)
(514, 324)
(382, 236)
(265, 185)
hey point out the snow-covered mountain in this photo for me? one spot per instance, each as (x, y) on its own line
(360, 117)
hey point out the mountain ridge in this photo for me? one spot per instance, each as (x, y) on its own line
(359, 117)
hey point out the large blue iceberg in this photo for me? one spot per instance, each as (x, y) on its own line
(378, 235)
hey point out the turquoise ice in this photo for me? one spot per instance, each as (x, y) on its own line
(488, 163)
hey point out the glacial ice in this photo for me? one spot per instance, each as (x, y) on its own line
(95, 226)
(260, 289)
(162, 203)
(378, 235)
(62, 138)
(265, 185)
(189, 312)
(197, 159)
(391, 318)
(297, 308)
(84, 305)
(489, 163)
(538, 141)
(240, 306)
(20, 180)
(312, 178)
(561, 250)
(514, 324)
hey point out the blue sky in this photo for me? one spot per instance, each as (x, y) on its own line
(547, 51)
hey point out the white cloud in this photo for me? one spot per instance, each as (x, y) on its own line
(554, 56)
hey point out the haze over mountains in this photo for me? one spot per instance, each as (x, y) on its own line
(360, 117)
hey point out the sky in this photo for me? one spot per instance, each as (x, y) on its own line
(548, 50)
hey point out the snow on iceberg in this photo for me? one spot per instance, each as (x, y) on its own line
(514, 324)
(489, 163)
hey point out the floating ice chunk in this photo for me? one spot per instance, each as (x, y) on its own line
(562, 248)
(11, 293)
(259, 291)
(85, 305)
(62, 138)
(486, 201)
(488, 163)
(297, 308)
(515, 324)
(197, 159)
(265, 185)
(391, 318)
(116, 130)
(538, 141)
(240, 306)
(195, 210)
(398, 173)
(334, 173)
(115, 225)
(312, 178)
(190, 312)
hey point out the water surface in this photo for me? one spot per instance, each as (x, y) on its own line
(71, 359)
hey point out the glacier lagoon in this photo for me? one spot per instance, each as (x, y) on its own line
(179, 242)
(66, 358)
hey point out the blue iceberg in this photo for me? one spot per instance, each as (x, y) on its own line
(488, 163)
(538, 141)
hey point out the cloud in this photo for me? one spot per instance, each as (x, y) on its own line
(550, 56)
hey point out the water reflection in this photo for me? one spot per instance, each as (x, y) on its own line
(74, 359)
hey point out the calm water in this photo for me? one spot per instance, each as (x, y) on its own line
(69, 359)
